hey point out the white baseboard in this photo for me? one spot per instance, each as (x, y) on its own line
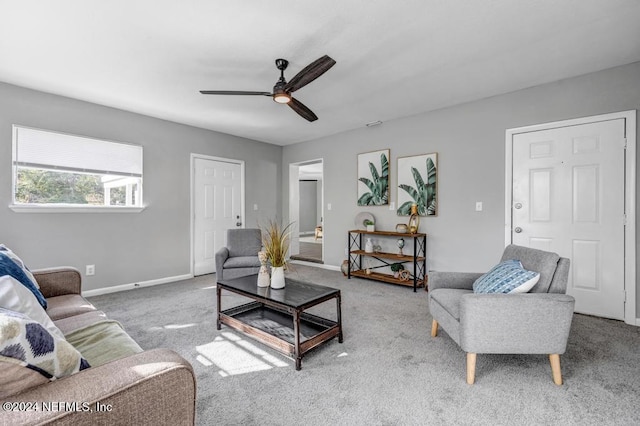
(132, 286)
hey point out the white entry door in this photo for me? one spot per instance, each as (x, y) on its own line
(217, 207)
(568, 197)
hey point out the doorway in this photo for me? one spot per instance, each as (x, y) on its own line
(305, 211)
(571, 190)
(217, 204)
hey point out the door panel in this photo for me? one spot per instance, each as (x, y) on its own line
(217, 207)
(568, 197)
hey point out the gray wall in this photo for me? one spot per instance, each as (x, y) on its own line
(308, 206)
(470, 142)
(126, 247)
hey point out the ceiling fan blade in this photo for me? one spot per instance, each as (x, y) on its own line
(302, 110)
(310, 73)
(233, 92)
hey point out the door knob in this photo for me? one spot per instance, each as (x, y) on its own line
(238, 223)
(518, 206)
(517, 230)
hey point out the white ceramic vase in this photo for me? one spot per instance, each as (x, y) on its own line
(263, 276)
(277, 277)
(368, 246)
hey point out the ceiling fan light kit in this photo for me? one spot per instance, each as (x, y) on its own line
(282, 90)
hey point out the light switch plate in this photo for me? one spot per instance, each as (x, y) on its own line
(478, 206)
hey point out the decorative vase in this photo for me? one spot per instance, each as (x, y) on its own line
(345, 267)
(368, 246)
(400, 244)
(277, 277)
(414, 219)
(402, 228)
(263, 275)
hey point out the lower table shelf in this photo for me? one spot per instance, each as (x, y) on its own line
(275, 327)
(386, 278)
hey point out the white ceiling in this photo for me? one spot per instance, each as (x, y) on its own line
(394, 58)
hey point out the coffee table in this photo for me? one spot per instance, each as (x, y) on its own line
(276, 317)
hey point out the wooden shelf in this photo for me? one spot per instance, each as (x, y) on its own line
(387, 233)
(386, 278)
(385, 255)
(417, 259)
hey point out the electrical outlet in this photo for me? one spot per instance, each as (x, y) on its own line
(392, 205)
(328, 206)
(478, 206)
(91, 270)
(255, 207)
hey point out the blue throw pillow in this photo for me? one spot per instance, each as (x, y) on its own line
(506, 277)
(9, 267)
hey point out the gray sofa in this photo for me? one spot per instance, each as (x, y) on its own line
(153, 387)
(537, 322)
(240, 257)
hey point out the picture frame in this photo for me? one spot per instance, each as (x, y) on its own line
(418, 184)
(373, 178)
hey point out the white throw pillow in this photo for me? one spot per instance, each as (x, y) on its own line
(16, 297)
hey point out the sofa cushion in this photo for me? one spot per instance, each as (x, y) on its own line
(29, 343)
(506, 277)
(68, 305)
(9, 267)
(103, 342)
(16, 297)
(242, 262)
(70, 324)
(449, 299)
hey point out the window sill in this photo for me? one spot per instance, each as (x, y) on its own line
(36, 208)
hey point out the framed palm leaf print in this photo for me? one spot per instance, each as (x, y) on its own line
(373, 178)
(418, 184)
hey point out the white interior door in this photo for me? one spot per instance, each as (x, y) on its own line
(217, 207)
(568, 197)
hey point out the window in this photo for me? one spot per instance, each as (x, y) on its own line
(58, 170)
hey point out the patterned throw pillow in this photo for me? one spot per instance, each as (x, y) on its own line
(506, 277)
(29, 344)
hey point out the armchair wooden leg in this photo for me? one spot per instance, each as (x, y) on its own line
(554, 359)
(471, 368)
(434, 328)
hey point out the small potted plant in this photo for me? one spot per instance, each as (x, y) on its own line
(275, 240)
(371, 225)
(396, 268)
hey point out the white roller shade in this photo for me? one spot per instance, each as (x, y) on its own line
(50, 150)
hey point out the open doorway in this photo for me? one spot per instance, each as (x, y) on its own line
(305, 210)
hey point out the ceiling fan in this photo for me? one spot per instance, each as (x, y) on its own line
(282, 90)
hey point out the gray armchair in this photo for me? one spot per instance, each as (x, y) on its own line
(240, 257)
(537, 322)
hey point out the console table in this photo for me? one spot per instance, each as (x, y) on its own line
(417, 258)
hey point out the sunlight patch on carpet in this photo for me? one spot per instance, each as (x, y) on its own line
(178, 326)
(234, 355)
